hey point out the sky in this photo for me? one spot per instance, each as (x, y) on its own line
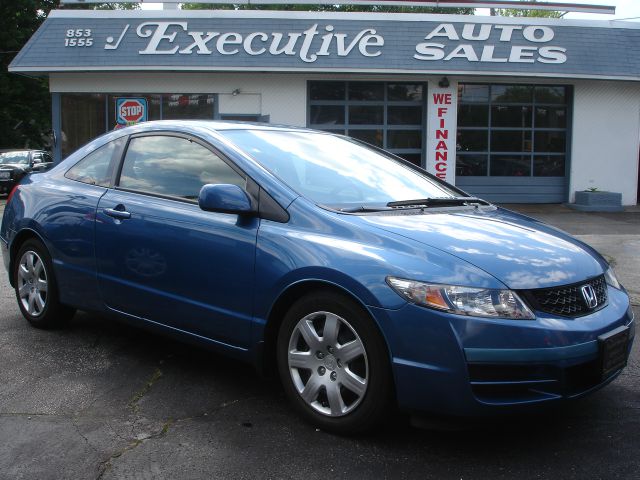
(625, 9)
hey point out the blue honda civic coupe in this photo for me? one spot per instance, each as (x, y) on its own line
(365, 281)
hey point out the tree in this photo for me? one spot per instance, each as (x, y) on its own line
(330, 8)
(518, 12)
(25, 110)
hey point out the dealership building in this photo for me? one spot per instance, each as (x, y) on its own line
(510, 109)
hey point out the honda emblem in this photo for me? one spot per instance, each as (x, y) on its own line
(590, 297)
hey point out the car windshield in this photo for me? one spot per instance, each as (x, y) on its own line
(14, 158)
(334, 171)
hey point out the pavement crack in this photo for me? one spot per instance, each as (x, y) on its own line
(216, 410)
(106, 465)
(114, 431)
(139, 395)
(84, 437)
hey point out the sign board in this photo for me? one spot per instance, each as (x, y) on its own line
(441, 124)
(326, 42)
(130, 111)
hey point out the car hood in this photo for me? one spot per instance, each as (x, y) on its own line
(520, 252)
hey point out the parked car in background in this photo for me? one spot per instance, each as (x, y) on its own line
(364, 280)
(15, 164)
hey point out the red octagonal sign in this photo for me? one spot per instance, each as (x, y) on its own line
(131, 110)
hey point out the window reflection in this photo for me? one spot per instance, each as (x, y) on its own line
(551, 94)
(365, 115)
(366, 91)
(471, 165)
(510, 166)
(473, 115)
(404, 115)
(511, 93)
(83, 118)
(339, 173)
(511, 116)
(173, 166)
(185, 107)
(469, 93)
(94, 169)
(472, 141)
(549, 165)
(374, 137)
(327, 115)
(371, 111)
(551, 117)
(327, 90)
(404, 92)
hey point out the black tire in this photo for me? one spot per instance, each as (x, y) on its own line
(42, 308)
(352, 412)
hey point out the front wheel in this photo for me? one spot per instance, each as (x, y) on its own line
(36, 288)
(334, 364)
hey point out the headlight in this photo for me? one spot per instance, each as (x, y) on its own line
(611, 279)
(476, 302)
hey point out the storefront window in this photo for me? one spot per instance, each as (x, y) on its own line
(327, 90)
(187, 107)
(472, 165)
(83, 118)
(363, 115)
(473, 115)
(388, 115)
(512, 130)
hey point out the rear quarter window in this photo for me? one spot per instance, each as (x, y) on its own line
(97, 167)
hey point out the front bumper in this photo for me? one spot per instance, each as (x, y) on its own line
(465, 366)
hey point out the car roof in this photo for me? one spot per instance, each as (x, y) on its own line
(219, 125)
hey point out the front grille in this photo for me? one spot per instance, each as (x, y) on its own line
(567, 300)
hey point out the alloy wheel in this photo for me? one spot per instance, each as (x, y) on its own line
(32, 283)
(328, 363)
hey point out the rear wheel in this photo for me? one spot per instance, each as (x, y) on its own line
(334, 364)
(36, 288)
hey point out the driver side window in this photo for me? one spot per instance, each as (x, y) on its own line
(173, 166)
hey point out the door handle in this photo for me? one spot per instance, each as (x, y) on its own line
(116, 213)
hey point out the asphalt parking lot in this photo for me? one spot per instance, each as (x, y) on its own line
(102, 400)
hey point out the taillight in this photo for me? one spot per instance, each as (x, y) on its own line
(13, 190)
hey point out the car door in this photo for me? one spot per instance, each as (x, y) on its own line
(160, 257)
(38, 163)
(67, 218)
(48, 160)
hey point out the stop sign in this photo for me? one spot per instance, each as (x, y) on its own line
(131, 110)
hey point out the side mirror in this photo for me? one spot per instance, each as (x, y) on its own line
(224, 198)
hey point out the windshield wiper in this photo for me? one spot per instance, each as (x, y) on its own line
(362, 208)
(438, 202)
